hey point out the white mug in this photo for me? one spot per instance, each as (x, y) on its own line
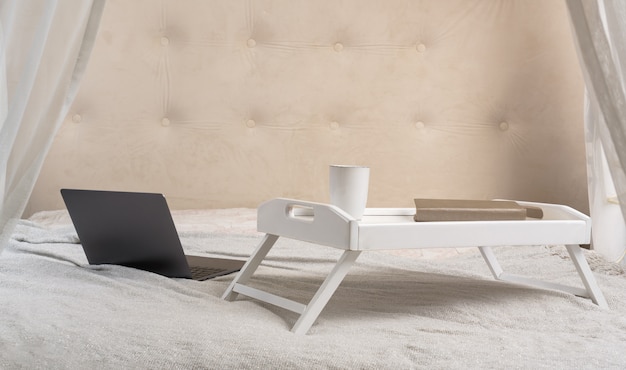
(348, 188)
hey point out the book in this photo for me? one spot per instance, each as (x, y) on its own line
(471, 210)
(534, 212)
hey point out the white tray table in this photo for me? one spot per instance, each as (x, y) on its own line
(394, 228)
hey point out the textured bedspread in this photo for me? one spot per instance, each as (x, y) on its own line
(390, 312)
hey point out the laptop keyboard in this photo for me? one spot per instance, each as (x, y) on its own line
(203, 272)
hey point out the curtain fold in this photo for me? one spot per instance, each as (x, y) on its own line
(44, 49)
(599, 29)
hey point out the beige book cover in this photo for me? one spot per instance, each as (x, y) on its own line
(469, 210)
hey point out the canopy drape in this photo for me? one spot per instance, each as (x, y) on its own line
(44, 50)
(599, 30)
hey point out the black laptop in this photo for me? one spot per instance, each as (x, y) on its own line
(137, 230)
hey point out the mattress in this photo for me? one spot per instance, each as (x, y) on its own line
(442, 311)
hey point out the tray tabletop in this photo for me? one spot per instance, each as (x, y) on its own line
(394, 228)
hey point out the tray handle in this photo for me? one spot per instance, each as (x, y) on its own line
(308, 221)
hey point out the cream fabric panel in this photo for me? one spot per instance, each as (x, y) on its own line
(230, 103)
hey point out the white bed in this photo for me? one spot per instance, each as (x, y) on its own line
(222, 105)
(391, 311)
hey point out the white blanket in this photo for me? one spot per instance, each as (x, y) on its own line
(389, 312)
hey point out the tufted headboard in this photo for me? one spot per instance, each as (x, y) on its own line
(228, 103)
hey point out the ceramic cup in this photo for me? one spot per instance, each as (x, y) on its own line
(348, 188)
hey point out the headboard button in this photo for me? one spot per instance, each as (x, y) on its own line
(77, 118)
(338, 47)
(334, 125)
(165, 41)
(251, 43)
(504, 126)
(421, 48)
(165, 122)
(250, 123)
(419, 124)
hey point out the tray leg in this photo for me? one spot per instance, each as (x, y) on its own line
(250, 266)
(325, 291)
(492, 261)
(586, 275)
(591, 288)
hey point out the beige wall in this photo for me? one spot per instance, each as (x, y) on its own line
(228, 103)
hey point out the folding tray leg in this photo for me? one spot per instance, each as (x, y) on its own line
(492, 261)
(308, 313)
(586, 275)
(250, 266)
(591, 288)
(325, 291)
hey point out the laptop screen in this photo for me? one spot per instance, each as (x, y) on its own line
(126, 228)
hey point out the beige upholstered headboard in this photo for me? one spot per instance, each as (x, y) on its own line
(229, 103)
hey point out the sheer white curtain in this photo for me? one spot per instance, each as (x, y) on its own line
(44, 48)
(599, 29)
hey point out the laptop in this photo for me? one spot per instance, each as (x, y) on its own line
(137, 230)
